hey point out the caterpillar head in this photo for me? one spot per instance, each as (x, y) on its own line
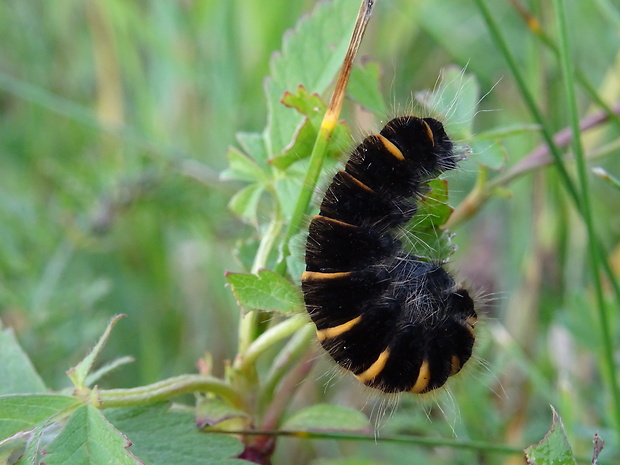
(423, 141)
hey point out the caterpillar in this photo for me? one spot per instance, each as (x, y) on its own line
(398, 323)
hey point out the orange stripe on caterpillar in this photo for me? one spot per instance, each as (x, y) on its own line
(329, 333)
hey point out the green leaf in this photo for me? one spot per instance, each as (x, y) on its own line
(78, 373)
(23, 412)
(433, 209)
(310, 105)
(425, 238)
(455, 100)
(313, 108)
(213, 410)
(266, 291)
(489, 153)
(287, 192)
(242, 168)
(88, 438)
(311, 55)
(12, 448)
(554, 449)
(296, 263)
(254, 144)
(324, 417)
(245, 251)
(244, 203)
(16, 371)
(164, 437)
(432, 244)
(364, 87)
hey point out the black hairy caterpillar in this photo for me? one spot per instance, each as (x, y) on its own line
(396, 322)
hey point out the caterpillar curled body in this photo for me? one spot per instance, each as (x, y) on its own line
(398, 323)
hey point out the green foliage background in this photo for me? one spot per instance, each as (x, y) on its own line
(115, 118)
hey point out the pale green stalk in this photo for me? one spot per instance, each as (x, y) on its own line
(609, 368)
(168, 388)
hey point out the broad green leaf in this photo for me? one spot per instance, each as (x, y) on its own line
(554, 449)
(425, 238)
(296, 260)
(288, 186)
(253, 144)
(364, 87)
(489, 153)
(88, 438)
(244, 203)
(311, 105)
(163, 437)
(455, 101)
(213, 410)
(78, 373)
(432, 244)
(311, 55)
(23, 412)
(433, 209)
(16, 371)
(242, 168)
(313, 108)
(324, 417)
(13, 448)
(266, 291)
(245, 251)
(287, 192)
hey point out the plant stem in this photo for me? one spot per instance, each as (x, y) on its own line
(582, 174)
(529, 99)
(294, 349)
(471, 204)
(168, 388)
(266, 340)
(268, 240)
(605, 176)
(596, 250)
(537, 158)
(540, 157)
(408, 439)
(325, 133)
(551, 146)
(534, 26)
(289, 386)
(249, 321)
(281, 401)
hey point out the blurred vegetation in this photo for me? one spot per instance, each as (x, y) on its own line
(115, 118)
